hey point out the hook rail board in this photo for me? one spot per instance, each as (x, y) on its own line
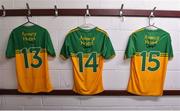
(71, 93)
(93, 12)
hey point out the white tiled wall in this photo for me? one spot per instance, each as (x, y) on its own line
(116, 71)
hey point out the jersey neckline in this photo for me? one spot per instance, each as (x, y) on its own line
(29, 27)
(87, 30)
(149, 30)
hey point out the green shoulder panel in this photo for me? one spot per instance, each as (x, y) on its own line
(169, 48)
(86, 41)
(10, 50)
(108, 50)
(49, 45)
(149, 40)
(102, 31)
(130, 48)
(29, 36)
(65, 53)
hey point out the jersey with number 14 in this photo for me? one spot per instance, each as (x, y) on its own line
(30, 45)
(87, 49)
(149, 51)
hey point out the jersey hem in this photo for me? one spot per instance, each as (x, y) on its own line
(88, 94)
(170, 58)
(53, 55)
(127, 57)
(63, 57)
(9, 56)
(135, 93)
(111, 57)
(40, 91)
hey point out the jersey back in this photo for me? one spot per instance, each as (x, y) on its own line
(149, 51)
(87, 49)
(30, 46)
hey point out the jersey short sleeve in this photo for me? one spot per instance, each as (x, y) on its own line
(65, 53)
(108, 50)
(169, 48)
(49, 45)
(10, 51)
(130, 49)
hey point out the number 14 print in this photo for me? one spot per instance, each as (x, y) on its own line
(92, 57)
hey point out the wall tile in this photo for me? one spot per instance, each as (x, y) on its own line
(8, 79)
(129, 101)
(23, 100)
(60, 100)
(11, 107)
(7, 3)
(78, 3)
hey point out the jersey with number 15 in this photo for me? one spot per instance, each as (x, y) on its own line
(30, 45)
(149, 51)
(87, 49)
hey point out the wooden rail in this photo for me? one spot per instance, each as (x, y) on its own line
(70, 93)
(93, 12)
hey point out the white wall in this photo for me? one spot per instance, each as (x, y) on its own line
(116, 71)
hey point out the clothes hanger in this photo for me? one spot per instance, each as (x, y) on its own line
(28, 23)
(151, 26)
(86, 25)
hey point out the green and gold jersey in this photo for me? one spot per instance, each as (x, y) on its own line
(30, 46)
(149, 51)
(87, 50)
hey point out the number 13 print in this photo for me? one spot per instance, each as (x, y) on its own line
(35, 50)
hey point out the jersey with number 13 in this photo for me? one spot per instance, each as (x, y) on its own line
(30, 45)
(87, 49)
(149, 51)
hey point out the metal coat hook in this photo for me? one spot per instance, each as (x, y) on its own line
(87, 14)
(56, 10)
(152, 12)
(29, 12)
(87, 11)
(121, 12)
(4, 11)
(151, 16)
(28, 9)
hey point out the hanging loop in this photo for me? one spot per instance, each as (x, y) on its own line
(151, 15)
(4, 11)
(121, 12)
(87, 11)
(56, 10)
